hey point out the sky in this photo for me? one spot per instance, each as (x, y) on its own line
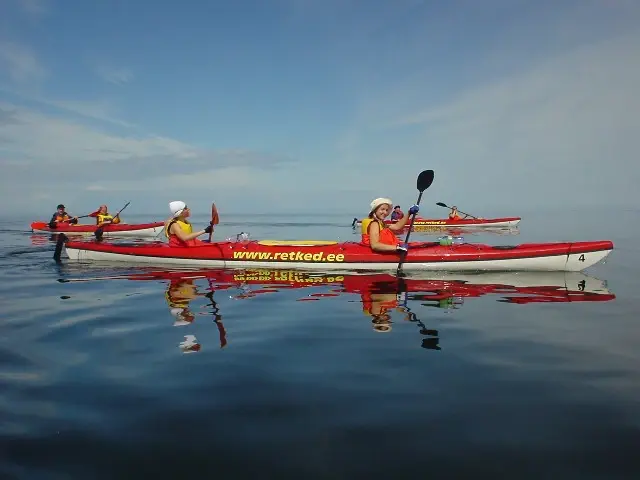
(319, 106)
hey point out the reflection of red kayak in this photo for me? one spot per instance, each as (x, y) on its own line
(446, 222)
(119, 229)
(332, 255)
(518, 288)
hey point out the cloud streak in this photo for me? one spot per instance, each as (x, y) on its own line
(36, 148)
(558, 130)
(35, 7)
(20, 64)
(116, 76)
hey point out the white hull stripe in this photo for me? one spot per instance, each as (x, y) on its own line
(571, 262)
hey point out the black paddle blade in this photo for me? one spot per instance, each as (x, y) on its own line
(440, 204)
(425, 179)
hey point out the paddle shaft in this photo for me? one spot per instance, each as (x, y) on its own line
(425, 179)
(403, 254)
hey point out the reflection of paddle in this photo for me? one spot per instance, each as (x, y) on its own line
(428, 343)
(440, 204)
(425, 179)
(100, 230)
(217, 318)
(215, 219)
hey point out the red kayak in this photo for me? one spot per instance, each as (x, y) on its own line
(118, 229)
(503, 222)
(332, 255)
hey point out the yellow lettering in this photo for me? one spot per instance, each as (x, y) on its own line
(331, 257)
(307, 257)
(284, 256)
(340, 257)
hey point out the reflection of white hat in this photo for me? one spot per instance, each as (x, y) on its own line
(380, 201)
(177, 207)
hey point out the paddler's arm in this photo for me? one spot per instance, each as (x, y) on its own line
(185, 237)
(374, 239)
(400, 224)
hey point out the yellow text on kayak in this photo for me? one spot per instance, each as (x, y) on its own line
(294, 256)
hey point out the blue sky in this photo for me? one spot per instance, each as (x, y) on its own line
(318, 105)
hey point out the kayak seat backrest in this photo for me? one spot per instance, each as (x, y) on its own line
(296, 243)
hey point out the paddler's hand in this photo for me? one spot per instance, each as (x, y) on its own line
(414, 209)
(403, 247)
(74, 220)
(208, 229)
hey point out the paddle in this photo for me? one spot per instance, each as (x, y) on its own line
(54, 225)
(440, 204)
(215, 219)
(425, 179)
(100, 230)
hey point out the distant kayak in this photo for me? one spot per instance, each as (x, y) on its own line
(119, 229)
(446, 222)
(332, 255)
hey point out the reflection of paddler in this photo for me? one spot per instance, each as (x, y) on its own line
(178, 295)
(377, 306)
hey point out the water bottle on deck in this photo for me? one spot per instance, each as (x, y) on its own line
(446, 241)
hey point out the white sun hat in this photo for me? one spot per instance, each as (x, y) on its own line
(177, 207)
(380, 201)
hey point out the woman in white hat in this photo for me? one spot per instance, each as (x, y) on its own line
(377, 234)
(179, 230)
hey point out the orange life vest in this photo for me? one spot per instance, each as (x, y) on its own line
(386, 235)
(385, 306)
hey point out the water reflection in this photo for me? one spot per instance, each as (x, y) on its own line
(384, 298)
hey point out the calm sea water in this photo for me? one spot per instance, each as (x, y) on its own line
(111, 371)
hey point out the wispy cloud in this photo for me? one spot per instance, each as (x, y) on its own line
(36, 7)
(565, 126)
(20, 64)
(115, 75)
(41, 146)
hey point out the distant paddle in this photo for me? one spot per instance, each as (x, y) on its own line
(440, 204)
(215, 219)
(100, 230)
(53, 225)
(425, 179)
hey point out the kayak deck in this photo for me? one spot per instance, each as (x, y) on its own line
(446, 222)
(557, 256)
(119, 229)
